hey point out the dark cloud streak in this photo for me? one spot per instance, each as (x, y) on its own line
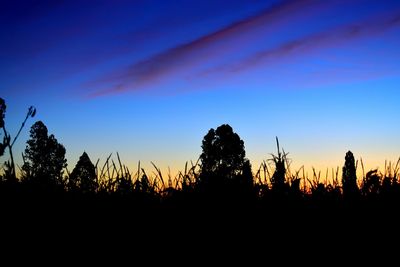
(331, 37)
(153, 68)
(198, 51)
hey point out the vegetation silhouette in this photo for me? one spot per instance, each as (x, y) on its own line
(44, 159)
(224, 168)
(220, 184)
(9, 166)
(83, 177)
(349, 177)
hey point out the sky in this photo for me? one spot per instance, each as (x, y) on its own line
(148, 79)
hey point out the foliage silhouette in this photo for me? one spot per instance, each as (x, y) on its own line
(223, 163)
(223, 151)
(349, 177)
(244, 181)
(278, 178)
(371, 183)
(44, 158)
(221, 177)
(3, 108)
(83, 177)
(10, 173)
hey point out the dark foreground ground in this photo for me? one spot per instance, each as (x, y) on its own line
(67, 227)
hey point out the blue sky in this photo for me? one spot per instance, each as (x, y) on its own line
(149, 78)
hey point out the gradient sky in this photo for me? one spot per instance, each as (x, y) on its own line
(149, 78)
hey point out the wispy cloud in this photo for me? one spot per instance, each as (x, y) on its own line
(179, 57)
(328, 38)
(212, 47)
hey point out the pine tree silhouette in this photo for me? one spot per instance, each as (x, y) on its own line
(83, 177)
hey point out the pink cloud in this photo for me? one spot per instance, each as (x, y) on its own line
(194, 52)
(214, 46)
(315, 42)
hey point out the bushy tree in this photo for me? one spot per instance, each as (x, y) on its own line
(44, 158)
(83, 177)
(223, 151)
(223, 159)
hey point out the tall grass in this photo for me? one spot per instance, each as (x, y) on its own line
(273, 174)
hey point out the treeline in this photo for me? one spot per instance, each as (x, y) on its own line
(222, 174)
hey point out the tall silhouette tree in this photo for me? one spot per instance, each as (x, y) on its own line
(83, 177)
(44, 158)
(223, 158)
(349, 177)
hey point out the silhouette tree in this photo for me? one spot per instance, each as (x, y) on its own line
(223, 159)
(83, 177)
(349, 177)
(44, 158)
(223, 150)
